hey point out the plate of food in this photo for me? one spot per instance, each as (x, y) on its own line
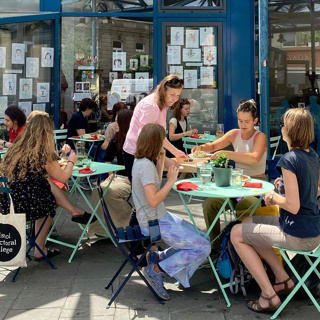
(245, 178)
(200, 155)
(86, 136)
(100, 136)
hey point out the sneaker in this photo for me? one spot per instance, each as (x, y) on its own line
(156, 281)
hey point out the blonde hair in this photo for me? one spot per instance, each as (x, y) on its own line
(32, 151)
(170, 81)
(37, 112)
(150, 142)
(299, 126)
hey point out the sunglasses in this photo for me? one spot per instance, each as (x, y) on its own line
(174, 81)
(281, 124)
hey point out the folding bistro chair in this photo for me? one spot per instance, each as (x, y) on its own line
(124, 238)
(301, 280)
(60, 136)
(31, 237)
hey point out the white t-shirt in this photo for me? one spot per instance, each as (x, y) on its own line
(183, 123)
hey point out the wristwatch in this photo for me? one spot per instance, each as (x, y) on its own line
(271, 196)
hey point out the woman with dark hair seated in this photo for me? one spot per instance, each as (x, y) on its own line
(15, 121)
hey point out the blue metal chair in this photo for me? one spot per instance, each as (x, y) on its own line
(124, 238)
(31, 237)
(313, 259)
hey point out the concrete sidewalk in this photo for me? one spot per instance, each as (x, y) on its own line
(77, 290)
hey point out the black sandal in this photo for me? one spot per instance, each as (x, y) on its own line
(255, 305)
(52, 252)
(84, 218)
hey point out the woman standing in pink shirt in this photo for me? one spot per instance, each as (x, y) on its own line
(153, 109)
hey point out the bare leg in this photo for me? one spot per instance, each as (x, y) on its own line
(42, 236)
(251, 259)
(63, 201)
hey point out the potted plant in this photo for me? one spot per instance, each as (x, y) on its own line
(222, 171)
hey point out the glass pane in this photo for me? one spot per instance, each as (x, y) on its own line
(192, 55)
(188, 4)
(19, 5)
(294, 62)
(107, 6)
(26, 66)
(93, 67)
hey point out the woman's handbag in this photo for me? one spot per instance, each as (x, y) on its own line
(13, 239)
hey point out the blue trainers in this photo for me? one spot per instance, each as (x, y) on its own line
(156, 281)
(152, 257)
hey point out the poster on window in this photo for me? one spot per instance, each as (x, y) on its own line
(177, 70)
(39, 106)
(133, 65)
(177, 36)
(25, 106)
(174, 55)
(192, 55)
(18, 50)
(144, 60)
(206, 76)
(43, 92)
(9, 84)
(206, 36)
(127, 76)
(142, 82)
(25, 89)
(192, 38)
(210, 56)
(32, 68)
(47, 57)
(3, 106)
(3, 56)
(112, 76)
(190, 78)
(119, 61)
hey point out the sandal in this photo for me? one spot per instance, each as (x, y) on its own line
(286, 290)
(256, 306)
(84, 218)
(50, 254)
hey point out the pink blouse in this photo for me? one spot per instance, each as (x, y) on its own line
(146, 111)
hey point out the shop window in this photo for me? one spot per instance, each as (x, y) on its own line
(139, 47)
(205, 5)
(117, 46)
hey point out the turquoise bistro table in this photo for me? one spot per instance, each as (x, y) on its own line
(201, 140)
(222, 192)
(98, 168)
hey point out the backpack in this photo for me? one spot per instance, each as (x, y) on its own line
(229, 264)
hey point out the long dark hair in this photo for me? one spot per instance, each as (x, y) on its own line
(124, 118)
(177, 110)
(16, 114)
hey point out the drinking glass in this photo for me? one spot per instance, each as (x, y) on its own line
(236, 178)
(205, 176)
(88, 162)
(200, 165)
(220, 130)
(206, 133)
(1, 145)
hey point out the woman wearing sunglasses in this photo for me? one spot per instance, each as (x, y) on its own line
(153, 109)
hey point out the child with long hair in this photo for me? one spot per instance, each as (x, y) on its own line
(188, 249)
(27, 165)
(298, 227)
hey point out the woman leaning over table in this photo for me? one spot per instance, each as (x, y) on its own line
(15, 121)
(298, 227)
(27, 165)
(153, 109)
(250, 152)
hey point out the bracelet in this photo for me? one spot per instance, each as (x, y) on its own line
(70, 161)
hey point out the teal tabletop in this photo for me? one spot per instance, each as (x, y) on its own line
(87, 140)
(3, 151)
(98, 168)
(201, 140)
(226, 192)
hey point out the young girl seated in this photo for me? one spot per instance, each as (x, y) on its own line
(188, 249)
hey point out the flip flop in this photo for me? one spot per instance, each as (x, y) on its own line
(83, 219)
(52, 252)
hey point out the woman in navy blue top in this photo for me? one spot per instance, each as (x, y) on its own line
(298, 226)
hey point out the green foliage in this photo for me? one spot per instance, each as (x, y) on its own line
(148, 68)
(221, 162)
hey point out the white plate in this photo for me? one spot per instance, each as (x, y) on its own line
(206, 158)
(245, 178)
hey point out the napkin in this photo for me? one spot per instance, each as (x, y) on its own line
(195, 136)
(76, 137)
(95, 137)
(187, 186)
(86, 170)
(252, 184)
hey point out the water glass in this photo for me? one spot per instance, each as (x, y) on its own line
(206, 134)
(205, 176)
(200, 165)
(1, 145)
(236, 178)
(88, 162)
(220, 130)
